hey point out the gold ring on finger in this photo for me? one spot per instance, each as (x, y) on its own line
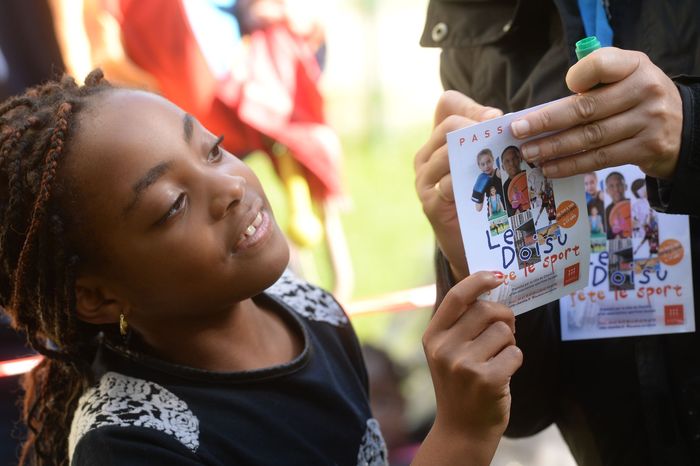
(440, 193)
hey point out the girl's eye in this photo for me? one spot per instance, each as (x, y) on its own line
(215, 153)
(174, 209)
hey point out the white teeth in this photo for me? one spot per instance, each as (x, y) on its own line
(253, 227)
(258, 220)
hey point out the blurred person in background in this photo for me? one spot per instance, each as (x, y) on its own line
(248, 69)
(389, 405)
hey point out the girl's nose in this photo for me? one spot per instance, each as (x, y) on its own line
(227, 191)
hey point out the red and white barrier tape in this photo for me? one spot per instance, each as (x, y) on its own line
(399, 301)
(18, 366)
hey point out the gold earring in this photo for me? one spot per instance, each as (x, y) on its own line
(123, 325)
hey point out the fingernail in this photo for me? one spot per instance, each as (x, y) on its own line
(492, 113)
(498, 275)
(520, 128)
(530, 152)
(550, 170)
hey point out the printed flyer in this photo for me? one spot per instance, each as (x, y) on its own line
(641, 280)
(513, 219)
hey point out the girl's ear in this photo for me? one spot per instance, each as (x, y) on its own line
(95, 303)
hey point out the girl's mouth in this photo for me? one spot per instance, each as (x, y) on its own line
(255, 232)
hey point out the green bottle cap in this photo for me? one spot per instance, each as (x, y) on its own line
(586, 46)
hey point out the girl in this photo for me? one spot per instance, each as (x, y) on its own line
(489, 176)
(144, 262)
(495, 204)
(596, 220)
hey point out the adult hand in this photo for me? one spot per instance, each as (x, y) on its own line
(635, 118)
(433, 180)
(471, 353)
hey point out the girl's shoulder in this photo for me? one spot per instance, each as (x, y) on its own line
(307, 300)
(118, 400)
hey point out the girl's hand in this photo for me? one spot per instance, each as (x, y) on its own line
(433, 180)
(471, 352)
(635, 118)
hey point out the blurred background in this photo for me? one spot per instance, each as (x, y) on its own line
(354, 223)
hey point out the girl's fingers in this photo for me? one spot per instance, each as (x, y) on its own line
(505, 363)
(460, 298)
(491, 341)
(482, 314)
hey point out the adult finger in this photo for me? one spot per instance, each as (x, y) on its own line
(577, 109)
(583, 108)
(461, 297)
(596, 134)
(455, 103)
(444, 189)
(613, 155)
(434, 168)
(606, 65)
(437, 137)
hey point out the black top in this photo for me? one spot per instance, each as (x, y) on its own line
(311, 411)
(619, 401)
(483, 184)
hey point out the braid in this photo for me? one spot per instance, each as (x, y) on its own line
(39, 262)
(39, 208)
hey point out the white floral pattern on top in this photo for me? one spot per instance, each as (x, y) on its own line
(308, 300)
(372, 448)
(119, 400)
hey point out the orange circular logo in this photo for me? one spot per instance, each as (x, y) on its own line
(567, 214)
(671, 252)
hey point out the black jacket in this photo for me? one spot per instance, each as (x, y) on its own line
(620, 401)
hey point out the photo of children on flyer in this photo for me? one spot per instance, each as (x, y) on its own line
(518, 196)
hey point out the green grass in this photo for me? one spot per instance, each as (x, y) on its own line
(390, 240)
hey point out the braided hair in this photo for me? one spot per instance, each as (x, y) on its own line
(39, 258)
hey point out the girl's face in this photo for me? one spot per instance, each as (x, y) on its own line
(590, 181)
(182, 226)
(493, 190)
(486, 163)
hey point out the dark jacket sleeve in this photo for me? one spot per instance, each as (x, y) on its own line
(133, 446)
(680, 194)
(534, 388)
